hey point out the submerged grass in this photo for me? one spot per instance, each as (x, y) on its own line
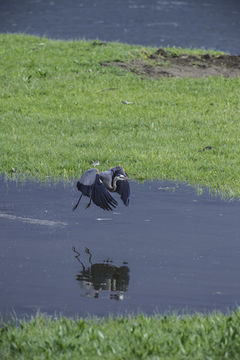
(172, 337)
(60, 110)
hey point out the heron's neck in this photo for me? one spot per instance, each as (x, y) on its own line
(114, 184)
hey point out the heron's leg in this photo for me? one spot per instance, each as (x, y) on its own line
(78, 257)
(87, 251)
(88, 204)
(76, 205)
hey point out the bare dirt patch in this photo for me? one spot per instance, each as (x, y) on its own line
(164, 64)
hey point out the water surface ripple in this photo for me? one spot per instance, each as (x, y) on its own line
(213, 24)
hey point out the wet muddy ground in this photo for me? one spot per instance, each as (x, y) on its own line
(171, 249)
(163, 64)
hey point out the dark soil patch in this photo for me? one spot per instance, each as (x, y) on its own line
(164, 64)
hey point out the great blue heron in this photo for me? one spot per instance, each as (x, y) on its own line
(96, 185)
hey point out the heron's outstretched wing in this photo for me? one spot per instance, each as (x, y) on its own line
(101, 197)
(123, 189)
(86, 181)
(106, 177)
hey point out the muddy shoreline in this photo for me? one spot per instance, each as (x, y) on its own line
(163, 64)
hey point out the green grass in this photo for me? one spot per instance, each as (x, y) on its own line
(57, 115)
(172, 337)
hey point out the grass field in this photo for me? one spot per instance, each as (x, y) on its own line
(160, 337)
(60, 110)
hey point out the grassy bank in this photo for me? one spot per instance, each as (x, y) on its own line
(60, 110)
(173, 337)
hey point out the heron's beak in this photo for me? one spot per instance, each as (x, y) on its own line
(124, 177)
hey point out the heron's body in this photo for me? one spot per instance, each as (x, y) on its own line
(96, 185)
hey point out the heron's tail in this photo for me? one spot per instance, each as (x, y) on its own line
(76, 205)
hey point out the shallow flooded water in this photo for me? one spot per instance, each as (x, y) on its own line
(171, 249)
(212, 24)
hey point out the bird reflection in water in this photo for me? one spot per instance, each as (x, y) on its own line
(98, 277)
